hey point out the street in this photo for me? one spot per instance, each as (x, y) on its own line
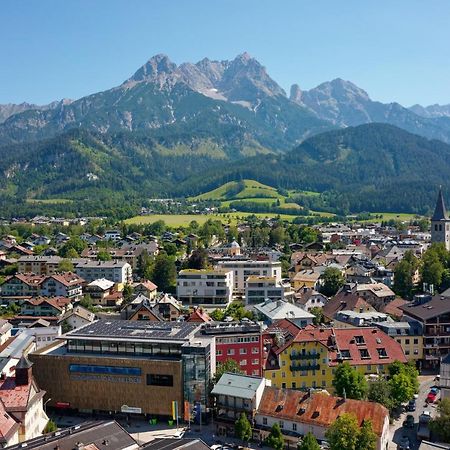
(397, 431)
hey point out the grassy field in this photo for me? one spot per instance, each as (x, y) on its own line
(182, 220)
(397, 216)
(49, 201)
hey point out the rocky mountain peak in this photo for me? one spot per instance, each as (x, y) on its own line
(295, 94)
(158, 69)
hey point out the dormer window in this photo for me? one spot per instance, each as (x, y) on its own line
(360, 340)
(364, 353)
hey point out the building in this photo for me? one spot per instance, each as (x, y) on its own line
(175, 444)
(112, 235)
(444, 382)
(308, 298)
(298, 413)
(239, 341)
(44, 332)
(208, 288)
(121, 366)
(376, 294)
(99, 291)
(45, 306)
(310, 359)
(271, 311)
(146, 288)
(22, 285)
(9, 428)
(235, 393)
(86, 435)
(22, 399)
(433, 314)
(440, 223)
(76, 318)
(346, 300)
(242, 269)
(259, 289)
(66, 284)
(308, 278)
(39, 265)
(117, 271)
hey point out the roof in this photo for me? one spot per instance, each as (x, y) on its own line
(198, 315)
(107, 435)
(58, 303)
(30, 279)
(135, 331)
(280, 309)
(173, 444)
(79, 311)
(19, 397)
(435, 307)
(378, 289)
(24, 363)
(83, 263)
(102, 283)
(345, 300)
(8, 425)
(146, 284)
(393, 307)
(319, 409)
(237, 385)
(440, 213)
(68, 279)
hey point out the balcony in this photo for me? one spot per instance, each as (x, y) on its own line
(300, 356)
(305, 367)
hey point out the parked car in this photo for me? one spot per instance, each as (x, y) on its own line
(411, 405)
(403, 444)
(409, 422)
(431, 397)
(434, 390)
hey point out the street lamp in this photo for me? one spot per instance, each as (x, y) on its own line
(45, 404)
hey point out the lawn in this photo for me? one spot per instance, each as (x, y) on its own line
(49, 201)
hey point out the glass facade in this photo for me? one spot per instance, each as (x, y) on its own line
(109, 370)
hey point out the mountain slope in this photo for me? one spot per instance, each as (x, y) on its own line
(345, 104)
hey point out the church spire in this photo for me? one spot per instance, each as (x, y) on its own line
(440, 213)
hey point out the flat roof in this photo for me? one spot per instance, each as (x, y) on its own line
(135, 331)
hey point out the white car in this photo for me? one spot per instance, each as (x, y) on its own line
(179, 434)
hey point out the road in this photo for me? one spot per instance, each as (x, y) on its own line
(397, 431)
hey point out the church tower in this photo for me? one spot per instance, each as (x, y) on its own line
(440, 223)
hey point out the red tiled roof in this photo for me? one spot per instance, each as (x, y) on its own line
(67, 279)
(57, 302)
(8, 424)
(30, 279)
(198, 315)
(393, 307)
(345, 301)
(319, 409)
(148, 285)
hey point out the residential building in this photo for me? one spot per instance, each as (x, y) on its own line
(376, 294)
(22, 285)
(90, 435)
(9, 429)
(145, 287)
(259, 289)
(298, 413)
(99, 290)
(271, 311)
(433, 313)
(118, 271)
(107, 366)
(76, 318)
(238, 341)
(444, 375)
(242, 269)
(66, 284)
(39, 265)
(357, 319)
(112, 235)
(346, 300)
(198, 315)
(308, 298)
(45, 306)
(208, 288)
(144, 310)
(308, 278)
(310, 359)
(43, 331)
(234, 394)
(5, 331)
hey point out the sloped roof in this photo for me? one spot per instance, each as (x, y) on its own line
(440, 212)
(344, 300)
(280, 309)
(237, 385)
(102, 283)
(319, 409)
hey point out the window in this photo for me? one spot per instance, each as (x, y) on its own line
(273, 374)
(324, 383)
(406, 352)
(364, 353)
(283, 385)
(369, 367)
(345, 354)
(294, 385)
(243, 362)
(382, 353)
(407, 341)
(264, 420)
(281, 424)
(294, 427)
(255, 361)
(416, 352)
(323, 372)
(416, 341)
(109, 370)
(230, 351)
(283, 363)
(283, 374)
(360, 340)
(255, 350)
(219, 352)
(242, 351)
(154, 379)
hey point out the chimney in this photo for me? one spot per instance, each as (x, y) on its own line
(344, 395)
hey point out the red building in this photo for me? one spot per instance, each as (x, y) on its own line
(239, 341)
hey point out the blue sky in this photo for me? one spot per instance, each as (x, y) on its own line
(396, 50)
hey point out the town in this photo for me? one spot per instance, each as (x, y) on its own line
(263, 333)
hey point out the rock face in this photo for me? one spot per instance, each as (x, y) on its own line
(296, 94)
(431, 111)
(10, 109)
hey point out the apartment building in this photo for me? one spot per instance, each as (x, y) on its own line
(119, 272)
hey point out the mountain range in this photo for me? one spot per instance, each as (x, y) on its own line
(167, 126)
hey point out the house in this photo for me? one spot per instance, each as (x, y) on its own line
(198, 315)
(45, 306)
(144, 311)
(145, 287)
(23, 400)
(99, 290)
(66, 284)
(236, 393)
(433, 313)
(43, 331)
(310, 359)
(168, 307)
(309, 278)
(91, 435)
(271, 311)
(308, 298)
(239, 341)
(9, 428)
(346, 300)
(76, 317)
(376, 294)
(205, 287)
(112, 235)
(258, 289)
(5, 331)
(298, 413)
(22, 285)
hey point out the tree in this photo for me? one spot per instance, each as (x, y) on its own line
(50, 427)
(333, 280)
(86, 302)
(318, 313)
(402, 388)
(127, 292)
(350, 381)
(307, 235)
(198, 259)
(164, 272)
(76, 244)
(367, 439)
(403, 275)
(229, 365)
(243, 428)
(380, 392)
(275, 439)
(309, 442)
(441, 423)
(103, 255)
(65, 265)
(217, 315)
(409, 369)
(343, 433)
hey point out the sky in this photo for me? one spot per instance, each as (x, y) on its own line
(396, 50)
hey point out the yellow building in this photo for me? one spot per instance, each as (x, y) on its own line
(311, 358)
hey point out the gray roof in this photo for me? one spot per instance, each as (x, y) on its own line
(173, 444)
(237, 385)
(438, 305)
(440, 213)
(280, 309)
(80, 262)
